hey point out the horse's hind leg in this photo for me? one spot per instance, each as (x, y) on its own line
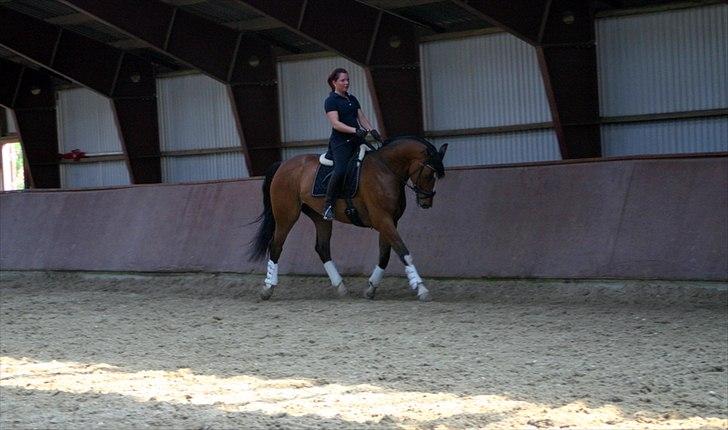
(286, 214)
(323, 249)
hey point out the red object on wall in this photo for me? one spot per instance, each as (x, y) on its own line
(75, 155)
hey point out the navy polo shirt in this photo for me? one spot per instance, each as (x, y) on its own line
(348, 109)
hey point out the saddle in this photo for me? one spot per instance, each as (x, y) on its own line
(351, 181)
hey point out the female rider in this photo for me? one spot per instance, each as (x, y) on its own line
(349, 126)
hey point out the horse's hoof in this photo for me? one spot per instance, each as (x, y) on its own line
(370, 292)
(266, 292)
(341, 290)
(423, 294)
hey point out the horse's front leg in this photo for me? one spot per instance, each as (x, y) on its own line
(388, 231)
(323, 249)
(378, 272)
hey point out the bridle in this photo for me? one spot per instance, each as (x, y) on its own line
(419, 192)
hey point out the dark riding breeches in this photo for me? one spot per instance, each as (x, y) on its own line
(341, 152)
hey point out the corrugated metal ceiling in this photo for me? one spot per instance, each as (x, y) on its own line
(222, 11)
(431, 17)
(42, 9)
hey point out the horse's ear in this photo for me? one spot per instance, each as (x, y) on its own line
(442, 150)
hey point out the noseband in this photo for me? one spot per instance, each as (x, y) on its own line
(419, 192)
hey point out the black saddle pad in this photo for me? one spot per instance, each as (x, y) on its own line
(351, 183)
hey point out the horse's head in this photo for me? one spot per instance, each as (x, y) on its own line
(430, 169)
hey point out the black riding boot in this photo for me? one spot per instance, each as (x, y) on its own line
(331, 193)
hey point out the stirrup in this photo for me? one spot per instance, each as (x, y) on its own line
(329, 213)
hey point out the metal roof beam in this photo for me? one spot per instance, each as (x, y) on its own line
(30, 96)
(212, 48)
(193, 40)
(255, 24)
(229, 56)
(125, 79)
(522, 18)
(71, 19)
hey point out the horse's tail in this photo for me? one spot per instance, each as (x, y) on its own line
(260, 243)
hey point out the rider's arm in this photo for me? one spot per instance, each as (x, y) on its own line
(333, 117)
(363, 120)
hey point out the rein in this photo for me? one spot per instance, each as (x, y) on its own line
(419, 192)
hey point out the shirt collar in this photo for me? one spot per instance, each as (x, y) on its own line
(339, 95)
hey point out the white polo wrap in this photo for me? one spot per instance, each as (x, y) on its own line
(333, 273)
(412, 275)
(271, 278)
(377, 275)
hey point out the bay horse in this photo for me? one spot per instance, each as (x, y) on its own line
(380, 202)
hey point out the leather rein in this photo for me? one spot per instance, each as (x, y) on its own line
(419, 192)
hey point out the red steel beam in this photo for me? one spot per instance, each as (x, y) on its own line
(394, 66)
(568, 61)
(562, 31)
(3, 122)
(10, 76)
(383, 43)
(30, 96)
(254, 96)
(570, 78)
(239, 60)
(128, 81)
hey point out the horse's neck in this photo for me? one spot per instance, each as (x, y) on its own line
(399, 158)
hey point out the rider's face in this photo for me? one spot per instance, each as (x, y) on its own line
(341, 84)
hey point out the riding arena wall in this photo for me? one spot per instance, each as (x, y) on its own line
(639, 218)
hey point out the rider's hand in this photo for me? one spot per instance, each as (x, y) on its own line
(375, 135)
(361, 133)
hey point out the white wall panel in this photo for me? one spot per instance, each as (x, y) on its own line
(482, 81)
(191, 168)
(666, 137)
(292, 152)
(195, 113)
(86, 121)
(663, 62)
(102, 174)
(501, 148)
(302, 90)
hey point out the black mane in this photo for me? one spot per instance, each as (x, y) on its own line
(434, 159)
